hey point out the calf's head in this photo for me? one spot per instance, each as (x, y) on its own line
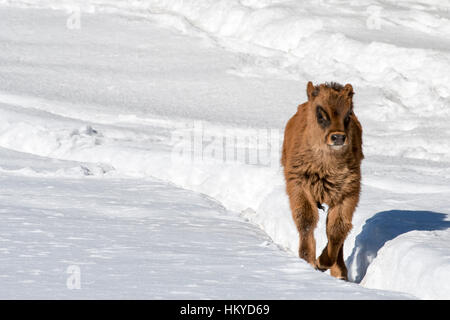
(330, 113)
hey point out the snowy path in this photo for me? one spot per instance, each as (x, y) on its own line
(113, 98)
(140, 239)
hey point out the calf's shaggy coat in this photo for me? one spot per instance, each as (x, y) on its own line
(322, 153)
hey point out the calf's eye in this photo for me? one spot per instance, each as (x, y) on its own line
(322, 117)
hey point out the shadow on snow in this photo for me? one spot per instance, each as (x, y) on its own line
(385, 226)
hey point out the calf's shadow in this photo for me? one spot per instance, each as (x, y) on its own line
(385, 226)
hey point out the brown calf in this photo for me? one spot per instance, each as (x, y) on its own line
(322, 153)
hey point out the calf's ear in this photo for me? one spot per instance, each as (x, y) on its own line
(309, 90)
(348, 90)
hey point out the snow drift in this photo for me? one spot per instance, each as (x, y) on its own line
(399, 65)
(407, 82)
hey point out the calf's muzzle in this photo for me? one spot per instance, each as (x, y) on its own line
(336, 138)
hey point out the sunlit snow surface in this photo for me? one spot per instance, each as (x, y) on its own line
(113, 96)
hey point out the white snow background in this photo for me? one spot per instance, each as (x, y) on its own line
(116, 121)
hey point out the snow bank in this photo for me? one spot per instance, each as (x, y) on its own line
(385, 226)
(417, 262)
(408, 82)
(123, 238)
(245, 176)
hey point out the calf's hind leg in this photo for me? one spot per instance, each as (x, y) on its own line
(305, 216)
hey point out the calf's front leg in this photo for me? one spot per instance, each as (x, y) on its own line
(305, 215)
(339, 224)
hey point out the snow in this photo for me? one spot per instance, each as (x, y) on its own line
(196, 93)
(387, 225)
(427, 279)
(138, 239)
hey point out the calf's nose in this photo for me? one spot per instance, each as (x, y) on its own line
(337, 139)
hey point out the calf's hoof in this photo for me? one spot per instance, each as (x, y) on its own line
(319, 266)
